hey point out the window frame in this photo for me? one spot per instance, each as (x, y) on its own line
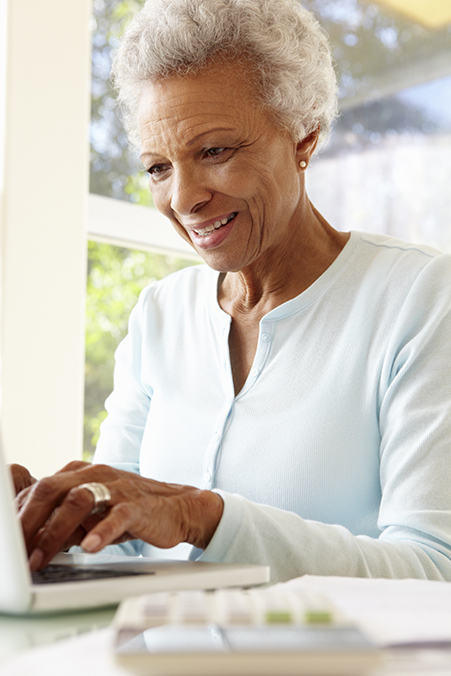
(146, 229)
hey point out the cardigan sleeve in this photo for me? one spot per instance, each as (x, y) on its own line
(414, 405)
(128, 406)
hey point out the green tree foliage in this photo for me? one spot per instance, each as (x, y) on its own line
(115, 167)
(115, 278)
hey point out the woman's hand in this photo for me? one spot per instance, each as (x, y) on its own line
(56, 512)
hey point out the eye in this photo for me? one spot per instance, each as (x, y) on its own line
(214, 152)
(158, 172)
(155, 169)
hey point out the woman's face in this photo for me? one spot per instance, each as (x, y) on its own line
(220, 169)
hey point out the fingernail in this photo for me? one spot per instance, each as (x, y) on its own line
(36, 559)
(91, 542)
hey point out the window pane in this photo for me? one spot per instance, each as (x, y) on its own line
(388, 164)
(114, 165)
(387, 168)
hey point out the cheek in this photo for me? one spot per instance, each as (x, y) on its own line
(160, 198)
(162, 201)
(245, 180)
(260, 184)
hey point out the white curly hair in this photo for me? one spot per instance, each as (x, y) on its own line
(281, 42)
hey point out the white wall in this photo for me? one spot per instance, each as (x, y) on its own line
(45, 161)
(3, 23)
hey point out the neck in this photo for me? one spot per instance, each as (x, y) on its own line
(286, 270)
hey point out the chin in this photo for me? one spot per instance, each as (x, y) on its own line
(220, 262)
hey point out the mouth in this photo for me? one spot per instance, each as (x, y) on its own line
(203, 232)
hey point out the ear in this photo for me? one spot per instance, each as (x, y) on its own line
(306, 148)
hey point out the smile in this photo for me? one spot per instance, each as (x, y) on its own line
(203, 232)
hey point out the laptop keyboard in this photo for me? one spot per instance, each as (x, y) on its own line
(57, 573)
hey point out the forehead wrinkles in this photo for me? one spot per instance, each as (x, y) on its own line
(189, 107)
(183, 122)
(183, 126)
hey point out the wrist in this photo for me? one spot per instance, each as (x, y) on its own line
(207, 514)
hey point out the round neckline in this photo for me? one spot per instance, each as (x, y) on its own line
(305, 297)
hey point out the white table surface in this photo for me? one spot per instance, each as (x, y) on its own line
(23, 634)
(409, 612)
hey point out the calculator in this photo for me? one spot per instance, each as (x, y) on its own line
(255, 632)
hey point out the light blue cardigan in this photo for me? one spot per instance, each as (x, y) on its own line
(334, 459)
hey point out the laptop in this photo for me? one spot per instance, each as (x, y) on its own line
(76, 581)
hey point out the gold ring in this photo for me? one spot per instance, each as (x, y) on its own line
(101, 496)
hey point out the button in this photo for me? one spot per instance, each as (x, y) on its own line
(207, 476)
(255, 372)
(266, 337)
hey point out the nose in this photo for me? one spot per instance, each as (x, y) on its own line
(189, 191)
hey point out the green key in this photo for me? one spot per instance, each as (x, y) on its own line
(318, 616)
(278, 616)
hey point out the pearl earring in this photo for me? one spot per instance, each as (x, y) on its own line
(303, 164)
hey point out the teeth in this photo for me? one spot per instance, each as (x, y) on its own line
(210, 228)
(214, 226)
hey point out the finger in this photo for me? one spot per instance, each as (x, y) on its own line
(21, 478)
(73, 466)
(64, 525)
(21, 498)
(47, 494)
(111, 529)
(75, 539)
(40, 502)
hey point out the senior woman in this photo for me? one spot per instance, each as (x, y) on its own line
(288, 403)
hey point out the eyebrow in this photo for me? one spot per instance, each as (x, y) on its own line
(143, 156)
(205, 133)
(191, 141)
